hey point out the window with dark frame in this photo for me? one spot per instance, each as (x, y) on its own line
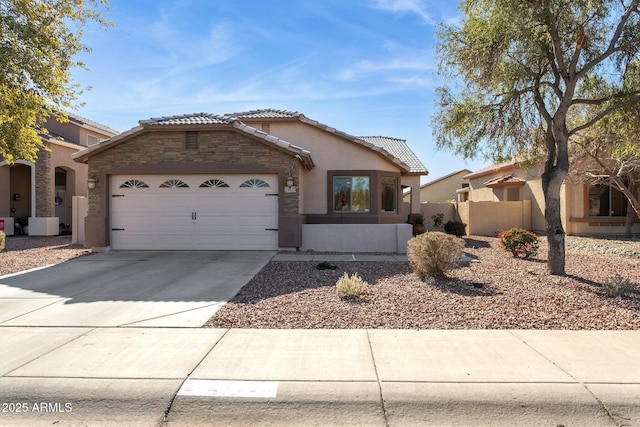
(606, 201)
(389, 194)
(351, 193)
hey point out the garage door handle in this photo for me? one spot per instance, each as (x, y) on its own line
(271, 229)
(117, 229)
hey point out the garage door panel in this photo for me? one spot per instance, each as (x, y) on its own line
(194, 217)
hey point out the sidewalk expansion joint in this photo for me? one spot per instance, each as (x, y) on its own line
(577, 381)
(375, 368)
(89, 330)
(175, 395)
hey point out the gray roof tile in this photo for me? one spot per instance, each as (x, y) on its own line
(84, 121)
(398, 148)
(269, 113)
(188, 119)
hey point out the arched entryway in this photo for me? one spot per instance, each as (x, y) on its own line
(17, 193)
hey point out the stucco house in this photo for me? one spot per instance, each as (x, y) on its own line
(263, 179)
(510, 195)
(42, 192)
(443, 189)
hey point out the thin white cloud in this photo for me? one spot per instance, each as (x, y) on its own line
(367, 68)
(416, 7)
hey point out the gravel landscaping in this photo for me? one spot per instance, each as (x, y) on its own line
(24, 253)
(514, 293)
(498, 292)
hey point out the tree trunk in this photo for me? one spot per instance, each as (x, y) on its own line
(555, 169)
(555, 231)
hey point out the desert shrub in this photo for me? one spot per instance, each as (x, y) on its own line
(617, 287)
(350, 287)
(437, 219)
(456, 228)
(2, 240)
(520, 242)
(433, 254)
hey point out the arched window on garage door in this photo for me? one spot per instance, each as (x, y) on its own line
(134, 183)
(174, 183)
(214, 183)
(254, 183)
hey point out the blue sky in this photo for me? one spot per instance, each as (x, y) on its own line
(365, 67)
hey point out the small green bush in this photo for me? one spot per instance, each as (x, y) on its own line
(433, 254)
(456, 228)
(350, 287)
(324, 265)
(437, 219)
(2, 236)
(617, 287)
(520, 242)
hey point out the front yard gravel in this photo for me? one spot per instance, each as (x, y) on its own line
(24, 253)
(515, 293)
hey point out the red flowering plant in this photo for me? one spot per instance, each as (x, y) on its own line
(518, 241)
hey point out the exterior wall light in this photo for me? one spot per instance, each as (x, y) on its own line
(289, 184)
(92, 183)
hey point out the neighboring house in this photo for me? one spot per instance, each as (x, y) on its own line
(41, 192)
(585, 209)
(263, 179)
(442, 190)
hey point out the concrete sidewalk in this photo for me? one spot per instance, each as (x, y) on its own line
(189, 376)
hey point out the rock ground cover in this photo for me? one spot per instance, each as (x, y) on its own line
(515, 293)
(498, 292)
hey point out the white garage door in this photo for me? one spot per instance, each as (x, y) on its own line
(208, 212)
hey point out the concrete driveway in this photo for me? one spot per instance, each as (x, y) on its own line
(129, 288)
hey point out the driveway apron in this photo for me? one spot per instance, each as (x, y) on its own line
(129, 288)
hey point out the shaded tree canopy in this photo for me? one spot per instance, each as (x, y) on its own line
(38, 42)
(517, 69)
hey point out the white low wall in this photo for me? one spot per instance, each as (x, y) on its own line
(44, 226)
(387, 238)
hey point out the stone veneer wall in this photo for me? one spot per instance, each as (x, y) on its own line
(164, 152)
(44, 187)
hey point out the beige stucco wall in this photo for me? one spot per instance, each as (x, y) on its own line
(430, 209)
(443, 190)
(73, 132)
(489, 218)
(531, 190)
(329, 152)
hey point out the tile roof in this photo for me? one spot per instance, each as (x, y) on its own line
(399, 149)
(188, 119)
(394, 149)
(83, 121)
(503, 180)
(269, 113)
(203, 119)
